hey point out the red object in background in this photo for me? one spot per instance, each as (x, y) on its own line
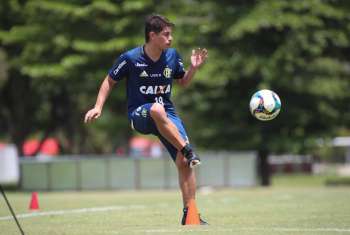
(145, 147)
(49, 147)
(139, 146)
(34, 203)
(140, 142)
(120, 151)
(2, 145)
(30, 146)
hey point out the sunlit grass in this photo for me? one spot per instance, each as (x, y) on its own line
(294, 205)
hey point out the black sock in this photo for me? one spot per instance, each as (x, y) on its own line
(185, 210)
(186, 150)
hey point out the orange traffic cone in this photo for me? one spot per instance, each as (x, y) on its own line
(192, 217)
(34, 203)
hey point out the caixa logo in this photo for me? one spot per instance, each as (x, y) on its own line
(154, 90)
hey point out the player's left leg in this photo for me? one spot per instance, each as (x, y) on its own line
(151, 118)
(166, 127)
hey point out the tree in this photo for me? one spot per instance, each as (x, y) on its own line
(300, 49)
(59, 52)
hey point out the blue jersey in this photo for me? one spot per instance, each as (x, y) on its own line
(148, 81)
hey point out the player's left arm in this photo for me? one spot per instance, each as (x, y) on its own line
(198, 57)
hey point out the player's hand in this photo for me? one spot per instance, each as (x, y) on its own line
(198, 57)
(92, 115)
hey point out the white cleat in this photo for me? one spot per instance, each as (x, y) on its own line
(194, 162)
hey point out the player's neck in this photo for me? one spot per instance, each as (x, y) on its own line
(152, 51)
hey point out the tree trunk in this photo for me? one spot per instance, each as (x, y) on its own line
(263, 167)
(16, 103)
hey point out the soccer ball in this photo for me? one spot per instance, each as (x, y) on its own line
(265, 105)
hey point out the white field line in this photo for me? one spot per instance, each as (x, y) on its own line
(273, 229)
(74, 211)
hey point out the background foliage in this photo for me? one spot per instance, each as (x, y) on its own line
(54, 55)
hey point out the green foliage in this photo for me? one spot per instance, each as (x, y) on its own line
(58, 52)
(65, 49)
(296, 48)
(3, 67)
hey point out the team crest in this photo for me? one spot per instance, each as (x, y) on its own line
(167, 72)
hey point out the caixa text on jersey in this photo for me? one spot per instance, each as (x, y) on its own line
(153, 90)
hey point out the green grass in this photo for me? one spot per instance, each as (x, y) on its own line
(291, 206)
(299, 180)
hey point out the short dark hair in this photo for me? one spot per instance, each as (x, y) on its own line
(156, 23)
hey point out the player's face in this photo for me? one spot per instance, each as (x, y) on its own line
(164, 38)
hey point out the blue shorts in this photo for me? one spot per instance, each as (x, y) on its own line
(142, 122)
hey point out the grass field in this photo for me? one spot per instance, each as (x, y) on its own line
(294, 205)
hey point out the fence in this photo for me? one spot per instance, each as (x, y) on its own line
(106, 172)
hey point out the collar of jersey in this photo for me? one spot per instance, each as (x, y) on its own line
(149, 59)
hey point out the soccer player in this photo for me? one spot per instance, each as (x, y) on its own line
(150, 71)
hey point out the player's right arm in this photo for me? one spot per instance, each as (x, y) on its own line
(115, 74)
(103, 93)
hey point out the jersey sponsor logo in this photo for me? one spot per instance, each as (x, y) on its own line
(143, 74)
(167, 72)
(155, 90)
(141, 64)
(119, 67)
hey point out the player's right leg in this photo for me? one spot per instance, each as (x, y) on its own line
(169, 129)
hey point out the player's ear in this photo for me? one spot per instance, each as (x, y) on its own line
(152, 35)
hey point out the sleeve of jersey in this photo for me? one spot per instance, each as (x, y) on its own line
(120, 69)
(180, 70)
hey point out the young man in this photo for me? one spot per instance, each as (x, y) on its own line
(150, 70)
